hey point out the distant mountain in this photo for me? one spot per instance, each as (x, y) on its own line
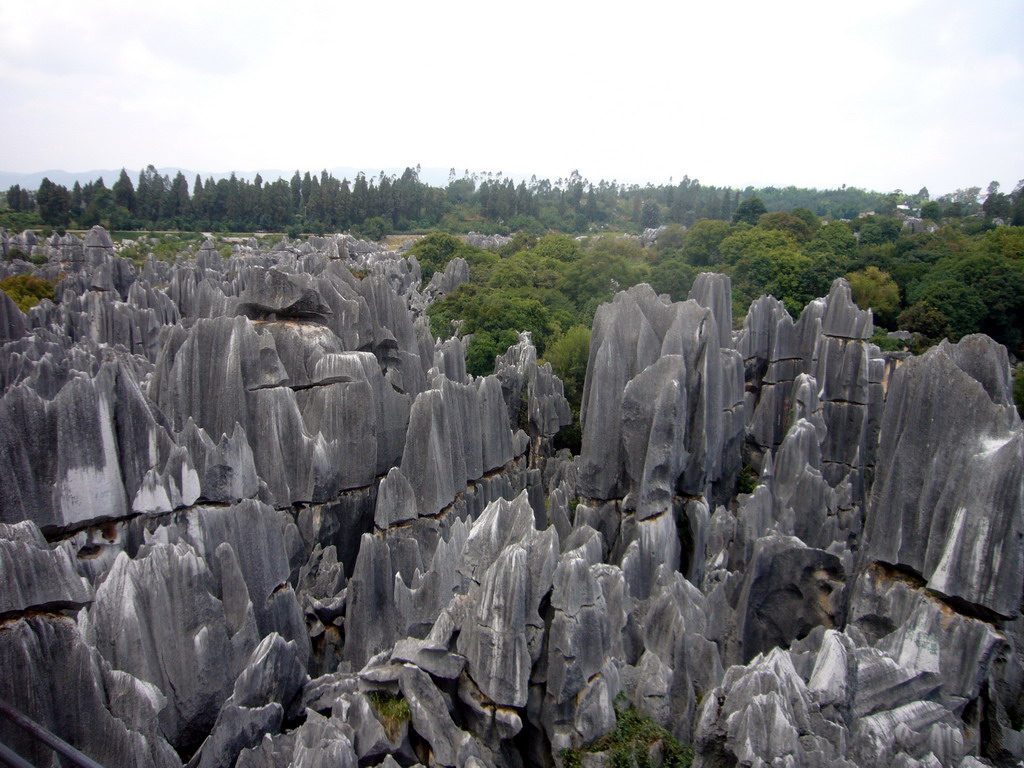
(434, 176)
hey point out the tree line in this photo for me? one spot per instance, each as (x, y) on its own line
(487, 202)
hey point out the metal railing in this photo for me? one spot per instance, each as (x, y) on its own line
(38, 732)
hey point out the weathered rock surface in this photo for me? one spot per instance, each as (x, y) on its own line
(54, 677)
(222, 476)
(949, 490)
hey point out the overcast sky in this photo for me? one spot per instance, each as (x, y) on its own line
(882, 94)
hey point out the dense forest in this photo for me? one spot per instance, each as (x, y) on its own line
(489, 203)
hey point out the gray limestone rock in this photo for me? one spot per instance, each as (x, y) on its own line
(34, 577)
(456, 272)
(764, 714)
(280, 294)
(266, 688)
(430, 716)
(502, 635)
(159, 619)
(631, 334)
(949, 493)
(494, 642)
(396, 501)
(152, 417)
(655, 415)
(12, 319)
(924, 635)
(434, 460)
(370, 620)
(258, 536)
(55, 678)
(581, 684)
(714, 291)
(788, 590)
(547, 409)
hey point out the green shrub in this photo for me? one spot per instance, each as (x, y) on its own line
(27, 290)
(630, 742)
(747, 480)
(884, 342)
(392, 710)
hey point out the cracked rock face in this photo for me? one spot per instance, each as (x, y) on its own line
(252, 513)
(949, 490)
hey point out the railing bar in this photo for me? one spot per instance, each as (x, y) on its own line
(55, 743)
(11, 758)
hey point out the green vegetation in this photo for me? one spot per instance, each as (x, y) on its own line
(568, 355)
(26, 290)
(392, 711)
(631, 741)
(936, 284)
(876, 290)
(433, 253)
(747, 481)
(165, 247)
(376, 206)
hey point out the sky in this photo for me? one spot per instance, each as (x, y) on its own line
(879, 94)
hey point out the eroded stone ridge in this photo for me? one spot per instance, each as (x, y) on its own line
(252, 513)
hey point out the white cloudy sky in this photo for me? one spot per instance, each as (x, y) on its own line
(882, 94)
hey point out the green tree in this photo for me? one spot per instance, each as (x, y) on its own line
(14, 199)
(1005, 241)
(931, 210)
(766, 261)
(703, 241)
(960, 303)
(54, 203)
(484, 346)
(786, 222)
(521, 241)
(1017, 206)
(670, 241)
(568, 355)
(376, 228)
(561, 247)
(925, 320)
(808, 217)
(650, 215)
(872, 288)
(674, 277)
(877, 230)
(996, 205)
(754, 240)
(749, 211)
(124, 192)
(607, 265)
(834, 238)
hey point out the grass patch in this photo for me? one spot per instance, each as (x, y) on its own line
(631, 741)
(392, 710)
